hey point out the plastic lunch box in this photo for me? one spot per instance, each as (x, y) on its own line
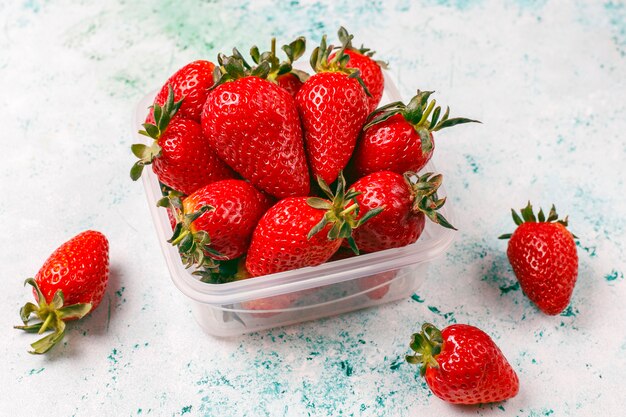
(305, 294)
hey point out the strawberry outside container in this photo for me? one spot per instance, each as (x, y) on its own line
(305, 294)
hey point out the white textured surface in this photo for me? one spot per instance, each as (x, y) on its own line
(547, 78)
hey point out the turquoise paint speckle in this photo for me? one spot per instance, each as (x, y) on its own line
(504, 289)
(569, 312)
(36, 371)
(590, 250)
(185, 410)
(614, 275)
(417, 298)
(448, 316)
(472, 163)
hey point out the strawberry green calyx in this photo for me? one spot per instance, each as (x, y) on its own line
(193, 245)
(223, 271)
(417, 113)
(424, 189)
(321, 62)
(426, 344)
(235, 66)
(294, 51)
(341, 211)
(52, 316)
(162, 117)
(346, 40)
(528, 216)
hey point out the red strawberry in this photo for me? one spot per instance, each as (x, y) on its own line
(69, 285)
(333, 108)
(253, 125)
(399, 137)
(283, 73)
(216, 220)
(462, 365)
(180, 156)
(370, 69)
(544, 258)
(407, 200)
(192, 82)
(290, 82)
(303, 231)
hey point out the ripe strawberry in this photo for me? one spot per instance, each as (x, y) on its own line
(462, 365)
(370, 69)
(399, 137)
(283, 73)
(192, 82)
(333, 107)
(407, 200)
(216, 220)
(544, 258)
(304, 231)
(180, 156)
(253, 125)
(69, 285)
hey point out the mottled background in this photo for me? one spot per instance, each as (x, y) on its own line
(547, 78)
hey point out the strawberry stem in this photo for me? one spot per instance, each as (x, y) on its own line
(425, 199)
(528, 216)
(342, 211)
(417, 113)
(426, 344)
(52, 317)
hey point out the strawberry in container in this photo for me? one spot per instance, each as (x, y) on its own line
(302, 231)
(370, 70)
(179, 154)
(252, 124)
(333, 107)
(216, 221)
(191, 82)
(399, 137)
(305, 231)
(408, 200)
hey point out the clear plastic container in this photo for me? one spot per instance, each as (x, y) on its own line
(305, 294)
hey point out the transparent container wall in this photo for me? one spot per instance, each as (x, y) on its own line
(309, 304)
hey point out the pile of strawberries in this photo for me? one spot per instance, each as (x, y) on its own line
(273, 169)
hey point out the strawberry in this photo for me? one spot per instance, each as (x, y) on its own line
(180, 156)
(370, 69)
(283, 73)
(463, 365)
(304, 231)
(253, 125)
(192, 82)
(543, 255)
(333, 107)
(399, 137)
(69, 285)
(216, 220)
(408, 199)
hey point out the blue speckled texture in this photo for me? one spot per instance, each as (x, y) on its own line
(547, 78)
